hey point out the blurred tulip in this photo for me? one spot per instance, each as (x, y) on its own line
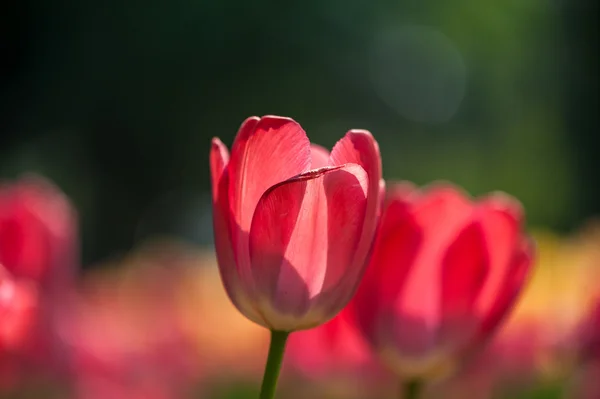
(124, 336)
(293, 224)
(445, 271)
(38, 233)
(540, 340)
(38, 250)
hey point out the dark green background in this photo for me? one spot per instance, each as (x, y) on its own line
(116, 101)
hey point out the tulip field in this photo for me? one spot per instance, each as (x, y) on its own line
(325, 281)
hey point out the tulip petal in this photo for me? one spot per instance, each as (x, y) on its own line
(303, 240)
(439, 214)
(222, 231)
(359, 147)
(221, 216)
(276, 150)
(465, 268)
(265, 153)
(514, 280)
(396, 246)
(319, 156)
(220, 187)
(219, 158)
(442, 209)
(38, 232)
(403, 192)
(500, 218)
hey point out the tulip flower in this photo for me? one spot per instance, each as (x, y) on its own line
(38, 251)
(293, 223)
(37, 232)
(445, 271)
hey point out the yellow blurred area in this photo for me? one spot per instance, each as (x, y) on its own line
(565, 278)
(564, 285)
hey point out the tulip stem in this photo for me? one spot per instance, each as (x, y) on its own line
(276, 350)
(411, 389)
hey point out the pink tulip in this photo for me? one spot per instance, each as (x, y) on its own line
(38, 234)
(293, 224)
(445, 271)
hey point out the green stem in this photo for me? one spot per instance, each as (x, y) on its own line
(276, 350)
(411, 389)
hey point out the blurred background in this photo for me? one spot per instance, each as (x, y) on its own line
(116, 102)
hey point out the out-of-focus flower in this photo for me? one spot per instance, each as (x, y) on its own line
(38, 233)
(38, 251)
(445, 271)
(124, 336)
(550, 330)
(293, 224)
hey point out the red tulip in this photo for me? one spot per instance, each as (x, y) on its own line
(38, 248)
(293, 224)
(445, 271)
(37, 232)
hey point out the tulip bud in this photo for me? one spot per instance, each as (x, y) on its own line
(293, 224)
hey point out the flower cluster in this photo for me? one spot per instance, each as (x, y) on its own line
(300, 230)
(365, 284)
